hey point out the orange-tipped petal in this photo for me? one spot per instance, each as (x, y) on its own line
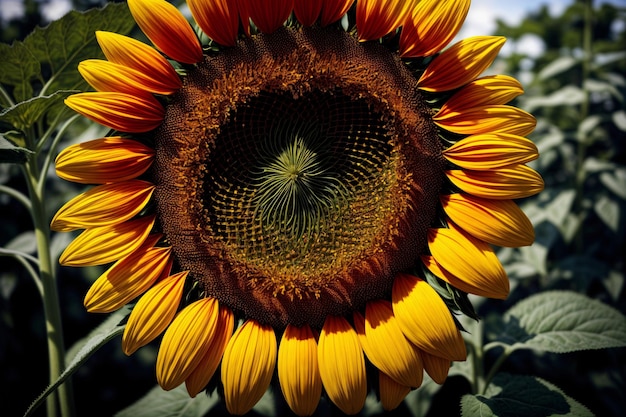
(106, 160)
(425, 319)
(469, 259)
(342, 365)
(516, 181)
(186, 341)
(486, 119)
(103, 205)
(333, 10)
(436, 367)
(391, 392)
(298, 370)
(268, 16)
(431, 26)
(377, 18)
(489, 151)
(498, 222)
(140, 57)
(167, 28)
(386, 346)
(307, 11)
(461, 63)
(108, 76)
(123, 112)
(485, 91)
(101, 245)
(248, 365)
(128, 278)
(203, 373)
(153, 312)
(219, 19)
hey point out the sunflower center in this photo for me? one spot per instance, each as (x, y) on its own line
(296, 174)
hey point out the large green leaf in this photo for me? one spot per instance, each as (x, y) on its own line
(28, 112)
(519, 395)
(10, 152)
(51, 55)
(563, 321)
(174, 403)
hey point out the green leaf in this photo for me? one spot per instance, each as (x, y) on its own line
(609, 211)
(565, 96)
(11, 153)
(557, 66)
(26, 113)
(619, 118)
(18, 67)
(563, 321)
(25, 242)
(174, 403)
(521, 395)
(82, 350)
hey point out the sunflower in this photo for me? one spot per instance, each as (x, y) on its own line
(299, 190)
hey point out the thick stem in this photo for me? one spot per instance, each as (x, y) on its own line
(52, 310)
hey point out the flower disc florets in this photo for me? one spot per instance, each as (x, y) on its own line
(297, 173)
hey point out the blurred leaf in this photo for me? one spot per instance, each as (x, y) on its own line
(566, 96)
(563, 321)
(174, 403)
(11, 153)
(608, 58)
(619, 118)
(556, 67)
(586, 126)
(26, 113)
(592, 165)
(83, 351)
(608, 210)
(535, 256)
(615, 180)
(597, 86)
(18, 67)
(521, 395)
(614, 284)
(24, 242)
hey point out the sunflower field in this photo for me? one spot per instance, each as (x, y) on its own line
(311, 207)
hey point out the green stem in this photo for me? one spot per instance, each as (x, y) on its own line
(16, 195)
(23, 258)
(496, 366)
(52, 310)
(580, 174)
(50, 154)
(478, 358)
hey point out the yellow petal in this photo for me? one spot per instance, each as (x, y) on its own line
(298, 370)
(268, 16)
(167, 28)
(377, 18)
(123, 112)
(219, 19)
(486, 119)
(107, 160)
(469, 259)
(485, 91)
(128, 278)
(342, 365)
(140, 57)
(391, 393)
(186, 341)
(153, 312)
(499, 222)
(461, 63)
(248, 365)
(101, 245)
(103, 205)
(109, 76)
(203, 373)
(516, 181)
(431, 26)
(436, 367)
(491, 150)
(425, 319)
(385, 345)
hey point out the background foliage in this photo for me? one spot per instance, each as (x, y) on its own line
(567, 289)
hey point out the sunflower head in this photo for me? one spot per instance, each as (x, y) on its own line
(319, 180)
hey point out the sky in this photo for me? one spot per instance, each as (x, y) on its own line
(480, 20)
